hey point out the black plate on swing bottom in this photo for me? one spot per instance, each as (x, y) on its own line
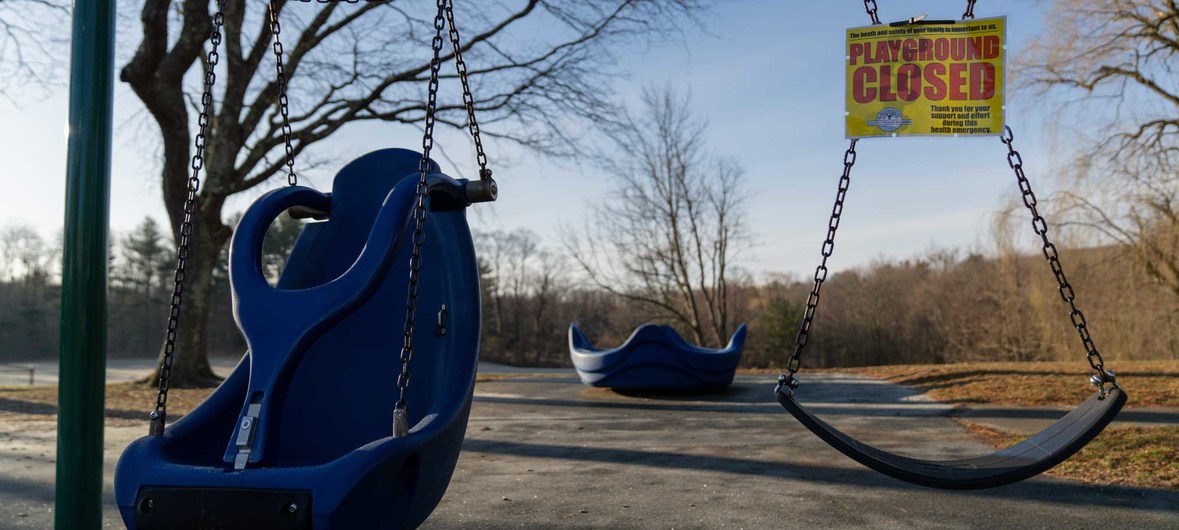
(159, 508)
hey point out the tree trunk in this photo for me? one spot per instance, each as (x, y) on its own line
(190, 363)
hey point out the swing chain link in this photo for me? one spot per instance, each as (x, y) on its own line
(812, 302)
(281, 81)
(468, 99)
(969, 13)
(400, 413)
(160, 414)
(1040, 226)
(870, 7)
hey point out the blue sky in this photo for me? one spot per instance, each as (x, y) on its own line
(767, 76)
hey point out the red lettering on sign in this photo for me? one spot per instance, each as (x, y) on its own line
(894, 50)
(857, 51)
(941, 49)
(935, 86)
(957, 81)
(991, 47)
(982, 81)
(909, 82)
(861, 92)
(925, 52)
(957, 49)
(886, 91)
(909, 50)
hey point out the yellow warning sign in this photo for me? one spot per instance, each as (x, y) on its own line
(926, 79)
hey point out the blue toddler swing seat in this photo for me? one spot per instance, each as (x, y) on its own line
(655, 357)
(317, 382)
(315, 428)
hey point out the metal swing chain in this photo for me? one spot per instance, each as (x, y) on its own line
(812, 302)
(468, 98)
(870, 7)
(969, 13)
(1040, 226)
(787, 381)
(160, 414)
(400, 414)
(283, 110)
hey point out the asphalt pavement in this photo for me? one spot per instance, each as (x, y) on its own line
(547, 452)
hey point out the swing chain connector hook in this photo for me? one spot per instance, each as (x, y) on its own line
(483, 190)
(156, 427)
(786, 384)
(400, 422)
(1100, 381)
(870, 7)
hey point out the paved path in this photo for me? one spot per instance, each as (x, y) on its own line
(547, 452)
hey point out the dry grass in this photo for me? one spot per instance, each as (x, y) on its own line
(131, 402)
(1124, 456)
(128, 403)
(125, 402)
(1147, 383)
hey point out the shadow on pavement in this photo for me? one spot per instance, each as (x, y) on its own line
(1054, 491)
(836, 396)
(36, 408)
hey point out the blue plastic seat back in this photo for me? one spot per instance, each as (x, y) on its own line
(340, 393)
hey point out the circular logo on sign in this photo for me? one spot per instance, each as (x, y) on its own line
(889, 119)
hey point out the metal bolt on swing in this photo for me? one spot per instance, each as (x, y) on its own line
(156, 427)
(1099, 381)
(787, 383)
(400, 423)
(483, 190)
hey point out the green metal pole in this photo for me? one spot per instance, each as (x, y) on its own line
(82, 388)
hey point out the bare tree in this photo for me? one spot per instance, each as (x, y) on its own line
(24, 255)
(505, 256)
(548, 288)
(31, 43)
(362, 62)
(667, 236)
(1109, 65)
(524, 288)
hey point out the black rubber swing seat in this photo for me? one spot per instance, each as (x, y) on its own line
(1028, 458)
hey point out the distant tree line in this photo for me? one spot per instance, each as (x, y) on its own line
(944, 306)
(142, 271)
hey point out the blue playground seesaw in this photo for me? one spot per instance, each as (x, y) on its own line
(655, 357)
